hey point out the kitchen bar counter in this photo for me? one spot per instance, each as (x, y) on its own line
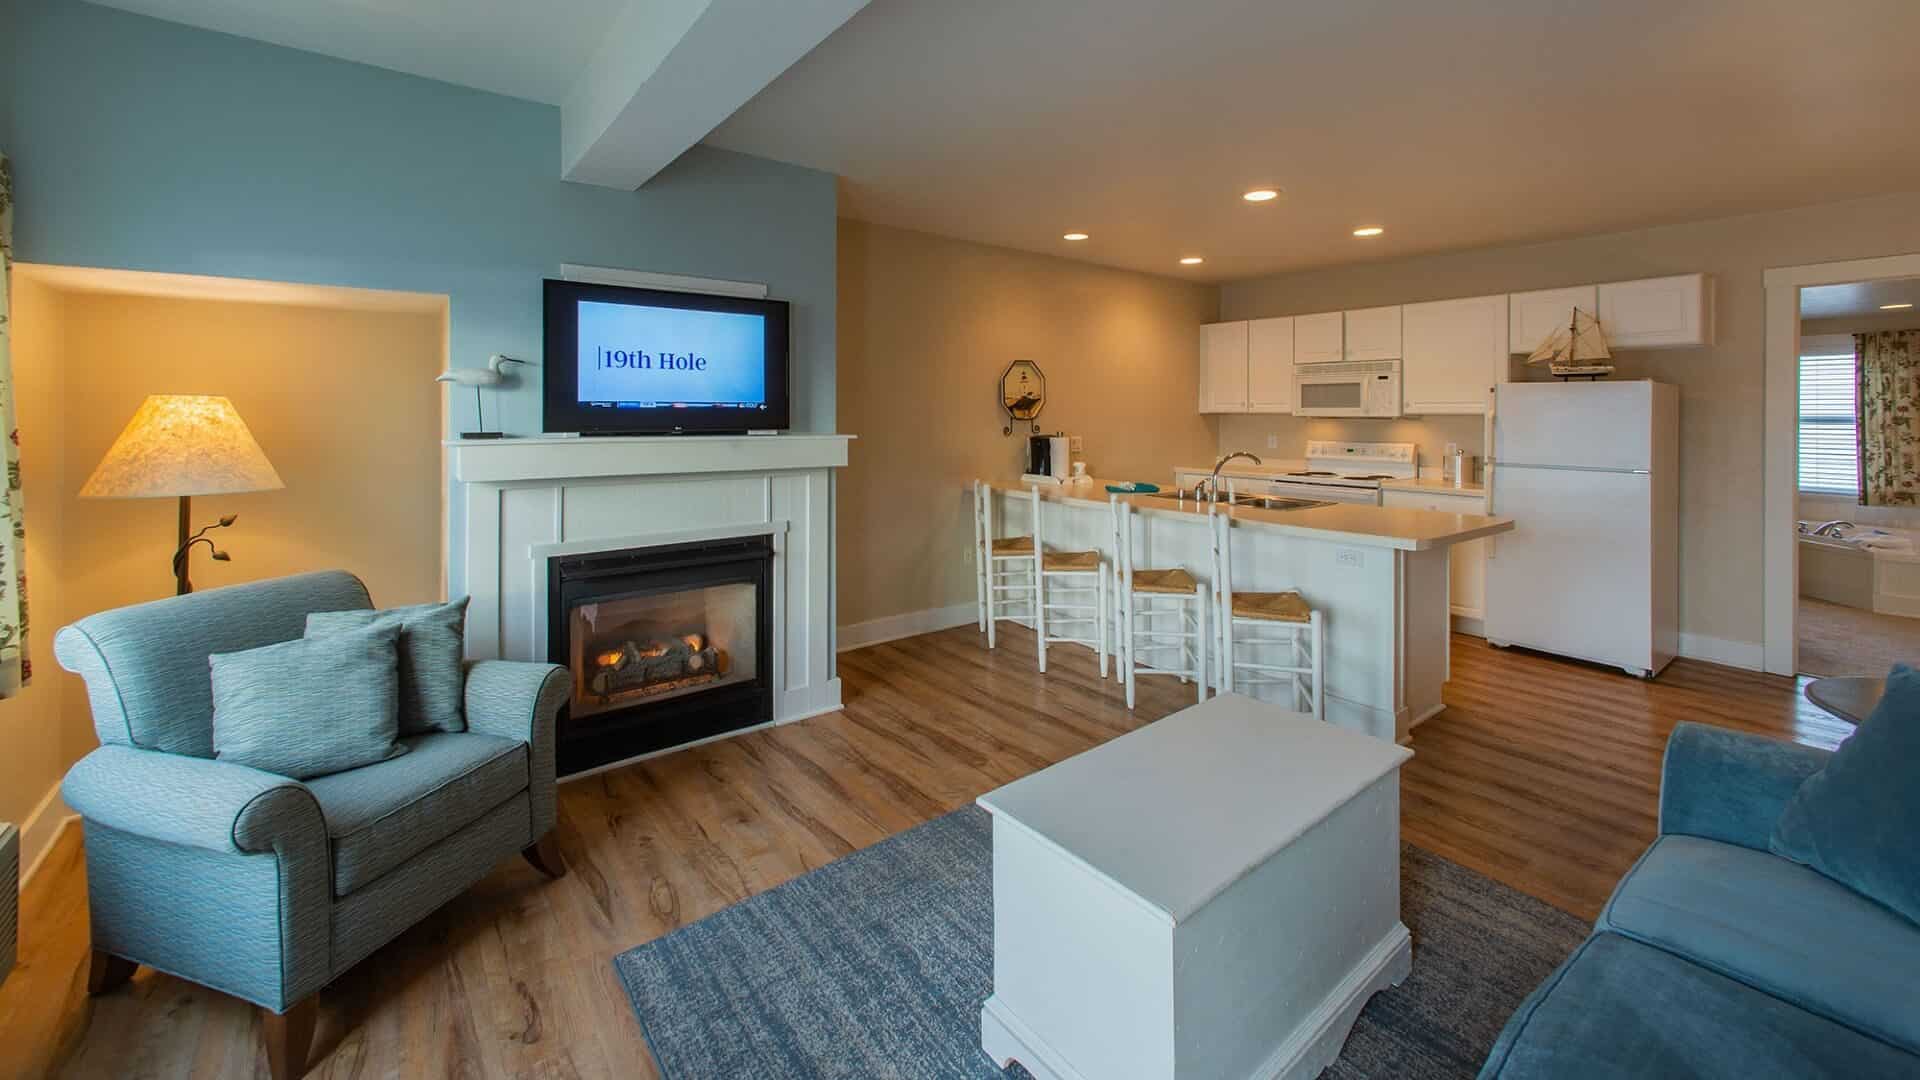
(1350, 523)
(1379, 576)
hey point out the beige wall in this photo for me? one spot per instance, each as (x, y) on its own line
(926, 326)
(343, 403)
(36, 743)
(1721, 386)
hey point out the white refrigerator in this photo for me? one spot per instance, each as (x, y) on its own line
(1588, 471)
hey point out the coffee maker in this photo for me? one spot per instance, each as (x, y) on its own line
(1049, 457)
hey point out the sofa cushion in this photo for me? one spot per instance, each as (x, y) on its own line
(1618, 1008)
(307, 707)
(1778, 927)
(381, 816)
(432, 643)
(1854, 819)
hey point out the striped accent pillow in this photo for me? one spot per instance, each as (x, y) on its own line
(310, 706)
(432, 646)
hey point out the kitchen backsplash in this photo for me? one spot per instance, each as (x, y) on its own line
(1429, 434)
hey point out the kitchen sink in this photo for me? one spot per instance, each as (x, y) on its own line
(1262, 502)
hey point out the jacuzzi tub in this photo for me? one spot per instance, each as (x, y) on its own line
(1869, 567)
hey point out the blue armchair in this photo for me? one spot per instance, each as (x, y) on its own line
(264, 887)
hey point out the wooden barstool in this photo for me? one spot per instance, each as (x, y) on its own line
(1145, 595)
(1004, 568)
(1072, 573)
(1303, 637)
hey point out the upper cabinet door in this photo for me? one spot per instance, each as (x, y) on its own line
(1456, 350)
(1531, 316)
(1223, 367)
(1373, 334)
(1270, 365)
(1651, 313)
(1319, 339)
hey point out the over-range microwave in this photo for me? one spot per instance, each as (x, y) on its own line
(1347, 388)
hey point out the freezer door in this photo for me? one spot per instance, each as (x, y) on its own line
(1575, 576)
(1582, 425)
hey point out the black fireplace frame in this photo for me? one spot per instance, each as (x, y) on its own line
(649, 726)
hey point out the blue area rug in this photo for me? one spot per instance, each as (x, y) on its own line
(876, 964)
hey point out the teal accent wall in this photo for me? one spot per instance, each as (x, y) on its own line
(146, 145)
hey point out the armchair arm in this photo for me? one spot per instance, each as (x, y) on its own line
(1730, 786)
(515, 700)
(207, 869)
(197, 802)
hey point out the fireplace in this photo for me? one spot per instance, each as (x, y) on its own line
(666, 645)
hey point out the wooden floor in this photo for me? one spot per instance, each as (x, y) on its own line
(1541, 773)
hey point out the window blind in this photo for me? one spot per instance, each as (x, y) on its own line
(1829, 446)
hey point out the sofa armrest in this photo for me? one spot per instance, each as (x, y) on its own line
(207, 869)
(522, 701)
(1730, 786)
(197, 802)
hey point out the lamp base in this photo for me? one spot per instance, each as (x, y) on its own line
(483, 435)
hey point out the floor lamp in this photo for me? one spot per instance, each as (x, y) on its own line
(179, 446)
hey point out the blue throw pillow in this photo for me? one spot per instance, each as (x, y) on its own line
(1857, 820)
(433, 682)
(310, 706)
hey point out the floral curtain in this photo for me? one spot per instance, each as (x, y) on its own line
(1887, 365)
(15, 667)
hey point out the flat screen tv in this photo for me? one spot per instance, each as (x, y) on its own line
(624, 361)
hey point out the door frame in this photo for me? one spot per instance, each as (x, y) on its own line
(1780, 553)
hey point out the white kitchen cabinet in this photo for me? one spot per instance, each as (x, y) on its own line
(1270, 366)
(1223, 367)
(1455, 350)
(1373, 334)
(1319, 339)
(1656, 313)
(1467, 562)
(1531, 316)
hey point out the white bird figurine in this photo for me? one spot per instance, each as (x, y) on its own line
(491, 375)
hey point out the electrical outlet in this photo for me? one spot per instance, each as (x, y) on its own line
(1273, 442)
(1347, 556)
(966, 554)
(1076, 445)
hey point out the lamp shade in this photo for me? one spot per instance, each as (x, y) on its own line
(182, 444)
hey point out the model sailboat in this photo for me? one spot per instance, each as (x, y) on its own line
(1577, 350)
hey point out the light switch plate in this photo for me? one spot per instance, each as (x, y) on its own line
(1347, 556)
(1273, 442)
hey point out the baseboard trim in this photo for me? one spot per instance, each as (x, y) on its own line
(40, 830)
(1471, 625)
(1748, 655)
(906, 624)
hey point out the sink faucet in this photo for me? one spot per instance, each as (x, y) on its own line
(1212, 483)
(1832, 528)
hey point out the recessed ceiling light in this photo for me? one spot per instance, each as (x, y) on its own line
(1894, 307)
(1192, 260)
(1074, 236)
(1368, 230)
(1261, 195)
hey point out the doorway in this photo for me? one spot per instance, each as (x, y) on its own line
(1842, 577)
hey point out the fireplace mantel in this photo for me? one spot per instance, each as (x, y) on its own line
(527, 499)
(505, 461)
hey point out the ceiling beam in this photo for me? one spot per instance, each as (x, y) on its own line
(671, 70)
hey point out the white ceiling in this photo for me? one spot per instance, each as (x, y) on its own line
(1860, 298)
(1454, 124)
(1459, 124)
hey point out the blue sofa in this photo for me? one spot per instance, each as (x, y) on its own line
(261, 886)
(1715, 958)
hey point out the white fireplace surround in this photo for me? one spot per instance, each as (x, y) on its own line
(529, 500)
